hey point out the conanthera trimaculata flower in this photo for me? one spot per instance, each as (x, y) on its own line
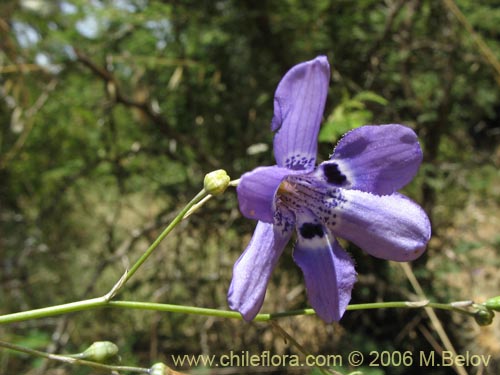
(351, 196)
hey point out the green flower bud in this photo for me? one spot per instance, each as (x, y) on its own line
(216, 182)
(493, 303)
(484, 317)
(159, 369)
(100, 351)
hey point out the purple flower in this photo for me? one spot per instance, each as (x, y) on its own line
(352, 195)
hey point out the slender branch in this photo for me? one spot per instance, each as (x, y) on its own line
(200, 199)
(432, 316)
(144, 106)
(44, 312)
(200, 196)
(483, 48)
(299, 347)
(103, 302)
(117, 94)
(28, 118)
(392, 11)
(70, 359)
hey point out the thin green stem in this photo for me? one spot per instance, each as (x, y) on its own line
(102, 302)
(163, 307)
(294, 342)
(402, 304)
(45, 312)
(164, 234)
(71, 360)
(234, 182)
(263, 317)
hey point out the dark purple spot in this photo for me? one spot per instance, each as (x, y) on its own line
(408, 138)
(355, 146)
(333, 174)
(310, 230)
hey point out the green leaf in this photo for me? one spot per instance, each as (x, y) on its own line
(341, 122)
(349, 114)
(370, 96)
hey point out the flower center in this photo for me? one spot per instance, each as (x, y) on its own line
(286, 188)
(300, 193)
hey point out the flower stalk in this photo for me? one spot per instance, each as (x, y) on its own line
(102, 302)
(71, 360)
(200, 196)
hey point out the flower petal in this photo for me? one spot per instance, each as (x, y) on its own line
(328, 270)
(256, 192)
(378, 159)
(252, 270)
(299, 103)
(386, 226)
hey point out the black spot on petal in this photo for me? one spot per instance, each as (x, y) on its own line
(310, 230)
(333, 174)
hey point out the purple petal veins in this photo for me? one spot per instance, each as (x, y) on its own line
(252, 270)
(353, 195)
(328, 270)
(256, 192)
(379, 159)
(299, 103)
(390, 226)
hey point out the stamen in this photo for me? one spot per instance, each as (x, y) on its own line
(286, 188)
(297, 193)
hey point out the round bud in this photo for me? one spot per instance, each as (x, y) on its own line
(493, 303)
(158, 369)
(100, 351)
(216, 182)
(484, 317)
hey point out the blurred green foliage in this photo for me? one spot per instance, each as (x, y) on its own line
(350, 113)
(113, 111)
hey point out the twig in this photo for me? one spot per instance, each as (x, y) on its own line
(300, 348)
(28, 118)
(102, 302)
(70, 360)
(391, 16)
(483, 48)
(432, 316)
(144, 106)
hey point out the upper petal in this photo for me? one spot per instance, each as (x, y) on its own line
(299, 103)
(328, 270)
(252, 270)
(256, 192)
(378, 159)
(386, 226)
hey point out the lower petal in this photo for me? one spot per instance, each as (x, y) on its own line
(252, 270)
(328, 270)
(389, 227)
